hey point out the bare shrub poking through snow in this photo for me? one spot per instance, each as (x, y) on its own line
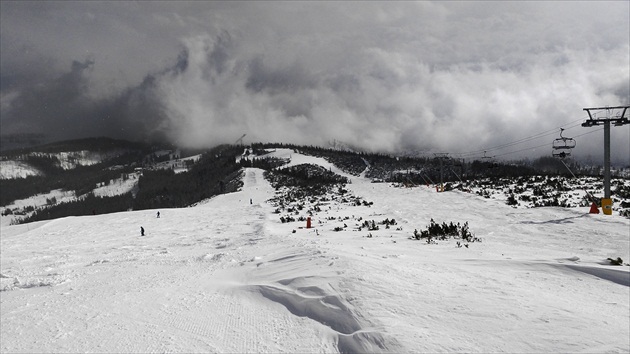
(616, 262)
(445, 231)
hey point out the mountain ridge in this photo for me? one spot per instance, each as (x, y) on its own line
(89, 176)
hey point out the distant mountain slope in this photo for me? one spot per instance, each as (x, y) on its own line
(103, 175)
(88, 144)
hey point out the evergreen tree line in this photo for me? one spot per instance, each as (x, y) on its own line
(304, 175)
(215, 173)
(382, 165)
(81, 180)
(87, 205)
(101, 144)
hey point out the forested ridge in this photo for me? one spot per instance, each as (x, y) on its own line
(218, 170)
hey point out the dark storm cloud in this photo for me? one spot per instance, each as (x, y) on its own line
(385, 76)
(60, 108)
(43, 107)
(284, 79)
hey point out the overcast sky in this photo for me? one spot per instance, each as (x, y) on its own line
(382, 76)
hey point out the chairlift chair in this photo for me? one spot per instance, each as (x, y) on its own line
(563, 143)
(489, 160)
(562, 146)
(560, 154)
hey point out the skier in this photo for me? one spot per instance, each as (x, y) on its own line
(158, 214)
(141, 231)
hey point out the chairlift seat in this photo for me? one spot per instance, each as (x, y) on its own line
(564, 143)
(560, 154)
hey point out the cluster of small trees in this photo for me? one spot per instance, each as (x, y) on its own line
(536, 191)
(444, 231)
(306, 175)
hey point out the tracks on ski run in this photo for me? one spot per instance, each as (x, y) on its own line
(232, 324)
(198, 282)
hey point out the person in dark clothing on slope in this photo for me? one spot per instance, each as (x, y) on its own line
(141, 231)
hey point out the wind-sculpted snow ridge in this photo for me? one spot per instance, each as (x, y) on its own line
(314, 295)
(615, 276)
(14, 283)
(330, 311)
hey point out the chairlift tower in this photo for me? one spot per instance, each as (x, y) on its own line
(617, 121)
(239, 141)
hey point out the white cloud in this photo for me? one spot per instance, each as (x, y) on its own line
(447, 76)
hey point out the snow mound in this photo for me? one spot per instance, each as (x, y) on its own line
(308, 285)
(330, 310)
(18, 283)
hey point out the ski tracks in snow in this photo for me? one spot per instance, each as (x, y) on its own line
(155, 293)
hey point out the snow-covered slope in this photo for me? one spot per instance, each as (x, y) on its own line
(228, 276)
(10, 169)
(118, 186)
(25, 207)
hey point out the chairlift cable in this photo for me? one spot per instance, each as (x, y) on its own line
(568, 125)
(588, 194)
(529, 148)
(533, 137)
(544, 145)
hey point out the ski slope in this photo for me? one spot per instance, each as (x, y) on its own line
(228, 276)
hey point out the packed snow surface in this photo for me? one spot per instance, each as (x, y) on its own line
(228, 276)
